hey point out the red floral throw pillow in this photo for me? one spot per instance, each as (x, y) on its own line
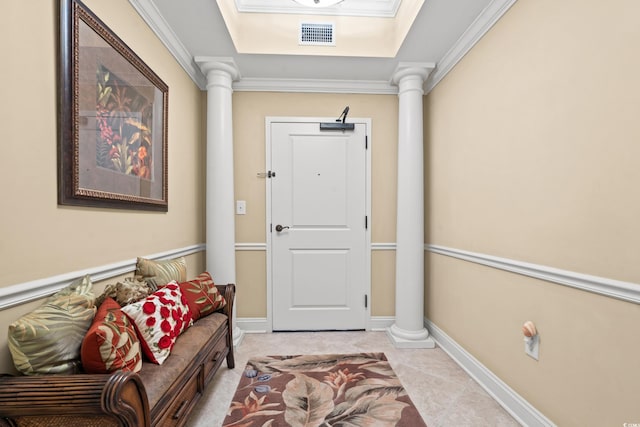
(111, 342)
(159, 319)
(202, 295)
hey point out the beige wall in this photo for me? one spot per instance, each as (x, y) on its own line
(532, 150)
(249, 112)
(531, 154)
(38, 238)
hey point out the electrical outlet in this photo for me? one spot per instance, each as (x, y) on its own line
(532, 346)
(241, 207)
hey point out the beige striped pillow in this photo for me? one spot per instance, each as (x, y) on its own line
(48, 339)
(162, 272)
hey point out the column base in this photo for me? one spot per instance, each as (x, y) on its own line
(410, 339)
(238, 335)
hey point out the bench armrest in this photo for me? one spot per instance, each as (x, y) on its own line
(119, 398)
(229, 293)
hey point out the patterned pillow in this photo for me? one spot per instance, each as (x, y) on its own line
(129, 290)
(159, 319)
(48, 340)
(202, 295)
(111, 342)
(162, 272)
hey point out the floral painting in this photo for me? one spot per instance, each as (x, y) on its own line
(321, 391)
(123, 121)
(112, 141)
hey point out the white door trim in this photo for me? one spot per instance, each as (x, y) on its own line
(268, 121)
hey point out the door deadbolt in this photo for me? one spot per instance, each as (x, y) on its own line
(279, 227)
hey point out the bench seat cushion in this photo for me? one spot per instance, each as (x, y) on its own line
(157, 378)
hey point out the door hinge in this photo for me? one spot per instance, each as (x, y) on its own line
(366, 142)
(366, 222)
(366, 301)
(269, 174)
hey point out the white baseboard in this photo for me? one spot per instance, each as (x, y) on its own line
(259, 325)
(511, 401)
(381, 323)
(253, 325)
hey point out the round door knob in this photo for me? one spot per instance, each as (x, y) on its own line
(279, 227)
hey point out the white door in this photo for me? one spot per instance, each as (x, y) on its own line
(319, 198)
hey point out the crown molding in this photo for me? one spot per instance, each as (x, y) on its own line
(151, 15)
(482, 24)
(365, 8)
(315, 86)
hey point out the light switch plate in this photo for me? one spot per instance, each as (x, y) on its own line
(241, 207)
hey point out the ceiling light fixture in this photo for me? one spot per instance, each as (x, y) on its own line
(318, 3)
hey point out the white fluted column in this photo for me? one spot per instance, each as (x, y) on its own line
(220, 213)
(408, 331)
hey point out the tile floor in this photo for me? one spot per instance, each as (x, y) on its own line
(442, 391)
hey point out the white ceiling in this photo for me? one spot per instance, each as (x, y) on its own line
(442, 33)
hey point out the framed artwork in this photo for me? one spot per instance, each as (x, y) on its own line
(112, 142)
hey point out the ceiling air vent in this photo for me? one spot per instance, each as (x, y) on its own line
(317, 34)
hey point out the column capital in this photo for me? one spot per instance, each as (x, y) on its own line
(214, 66)
(416, 70)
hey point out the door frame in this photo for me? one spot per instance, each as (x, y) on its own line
(276, 119)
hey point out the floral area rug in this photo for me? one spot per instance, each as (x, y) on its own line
(321, 391)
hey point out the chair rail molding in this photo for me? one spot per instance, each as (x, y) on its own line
(35, 289)
(251, 246)
(383, 246)
(626, 291)
(263, 246)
